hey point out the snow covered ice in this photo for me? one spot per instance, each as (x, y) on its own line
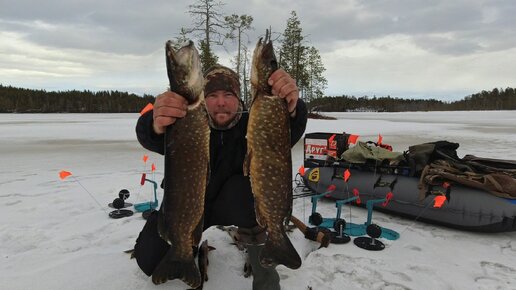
(54, 235)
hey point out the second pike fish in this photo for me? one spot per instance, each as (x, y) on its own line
(186, 170)
(269, 161)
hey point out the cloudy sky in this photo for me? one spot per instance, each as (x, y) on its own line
(444, 49)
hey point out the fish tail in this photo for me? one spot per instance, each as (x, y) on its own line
(280, 251)
(170, 268)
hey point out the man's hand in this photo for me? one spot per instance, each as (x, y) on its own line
(285, 87)
(167, 108)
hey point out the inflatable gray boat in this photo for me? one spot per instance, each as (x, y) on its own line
(463, 207)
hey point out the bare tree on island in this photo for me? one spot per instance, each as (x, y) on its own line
(238, 25)
(208, 21)
(245, 81)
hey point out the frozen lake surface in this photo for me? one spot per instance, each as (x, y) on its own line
(54, 235)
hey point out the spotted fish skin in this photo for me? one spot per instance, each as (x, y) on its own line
(269, 161)
(186, 171)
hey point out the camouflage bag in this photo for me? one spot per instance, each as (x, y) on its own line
(499, 182)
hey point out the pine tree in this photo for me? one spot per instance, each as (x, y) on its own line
(208, 58)
(292, 51)
(316, 81)
(303, 63)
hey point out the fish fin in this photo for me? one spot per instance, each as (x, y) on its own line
(208, 174)
(247, 162)
(280, 251)
(162, 224)
(131, 253)
(197, 233)
(170, 269)
(203, 261)
(259, 217)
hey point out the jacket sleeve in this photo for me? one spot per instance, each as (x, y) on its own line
(298, 123)
(146, 136)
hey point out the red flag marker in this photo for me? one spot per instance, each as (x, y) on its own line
(153, 167)
(145, 158)
(147, 108)
(347, 174)
(357, 194)
(388, 197)
(329, 190)
(332, 138)
(352, 139)
(64, 174)
(380, 139)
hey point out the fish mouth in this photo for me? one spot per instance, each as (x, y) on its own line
(184, 70)
(173, 55)
(267, 51)
(264, 64)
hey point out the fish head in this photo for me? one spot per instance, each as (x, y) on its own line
(264, 63)
(184, 71)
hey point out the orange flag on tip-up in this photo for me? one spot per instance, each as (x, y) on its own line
(153, 167)
(346, 175)
(352, 139)
(145, 158)
(147, 108)
(439, 201)
(64, 174)
(380, 139)
(301, 170)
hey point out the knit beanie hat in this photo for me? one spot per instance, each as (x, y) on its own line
(219, 77)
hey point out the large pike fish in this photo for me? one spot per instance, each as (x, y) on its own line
(269, 161)
(186, 170)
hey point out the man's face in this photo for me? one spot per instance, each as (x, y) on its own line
(222, 106)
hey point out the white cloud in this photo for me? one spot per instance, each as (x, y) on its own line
(396, 65)
(402, 48)
(24, 63)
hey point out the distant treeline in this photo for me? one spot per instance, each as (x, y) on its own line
(497, 99)
(19, 100)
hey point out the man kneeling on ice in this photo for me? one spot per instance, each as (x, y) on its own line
(228, 199)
